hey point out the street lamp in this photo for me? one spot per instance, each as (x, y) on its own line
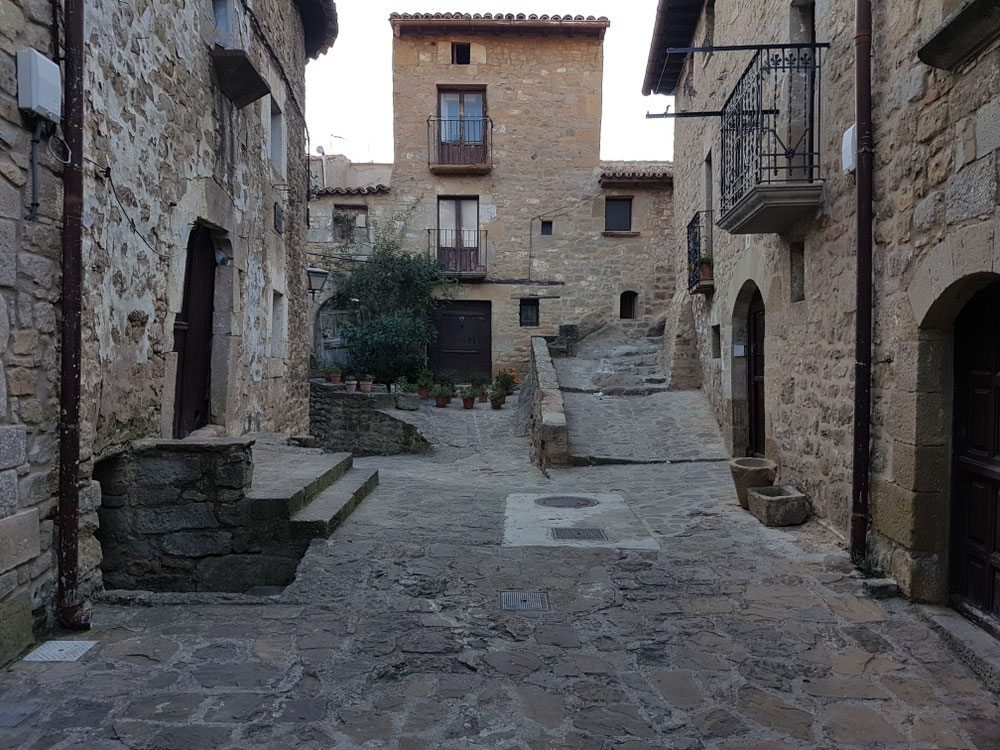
(317, 280)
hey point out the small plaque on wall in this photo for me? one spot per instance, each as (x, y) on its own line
(739, 350)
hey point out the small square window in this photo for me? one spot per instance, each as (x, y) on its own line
(529, 312)
(617, 214)
(461, 53)
(546, 227)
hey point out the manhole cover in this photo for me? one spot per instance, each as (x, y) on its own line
(566, 501)
(12, 714)
(579, 534)
(60, 651)
(524, 601)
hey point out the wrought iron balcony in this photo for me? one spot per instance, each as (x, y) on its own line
(461, 252)
(770, 147)
(700, 264)
(460, 145)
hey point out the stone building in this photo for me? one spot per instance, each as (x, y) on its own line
(497, 173)
(762, 190)
(194, 312)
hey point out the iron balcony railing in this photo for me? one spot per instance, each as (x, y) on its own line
(462, 252)
(769, 122)
(700, 263)
(460, 142)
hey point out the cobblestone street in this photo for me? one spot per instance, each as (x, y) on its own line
(724, 635)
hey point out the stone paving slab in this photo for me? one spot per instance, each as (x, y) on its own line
(528, 524)
(728, 636)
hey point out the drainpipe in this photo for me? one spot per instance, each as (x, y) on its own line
(69, 606)
(863, 315)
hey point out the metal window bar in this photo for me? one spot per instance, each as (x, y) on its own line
(699, 236)
(460, 251)
(769, 122)
(459, 141)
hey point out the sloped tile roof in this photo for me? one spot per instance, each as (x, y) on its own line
(361, 190)
(650, 172)
(676, 21)
(502, 20)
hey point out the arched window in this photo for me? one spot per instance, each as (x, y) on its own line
(629, 303)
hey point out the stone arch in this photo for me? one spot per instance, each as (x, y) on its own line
(739, 395)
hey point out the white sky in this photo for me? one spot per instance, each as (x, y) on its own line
(349, 90)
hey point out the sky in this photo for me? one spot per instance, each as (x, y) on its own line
(349, 90)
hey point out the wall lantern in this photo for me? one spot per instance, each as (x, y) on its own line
(317, 280)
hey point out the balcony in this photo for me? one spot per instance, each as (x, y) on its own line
(700, 264)
(460, 145)
(461, 252)
(235, 71)
(770, 147)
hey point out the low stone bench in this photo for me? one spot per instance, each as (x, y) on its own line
(778, 506)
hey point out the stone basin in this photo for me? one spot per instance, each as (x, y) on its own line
(751, 472)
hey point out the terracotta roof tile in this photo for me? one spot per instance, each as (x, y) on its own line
(361, 190)
(492, 17)
(637, 171)
(503, 21)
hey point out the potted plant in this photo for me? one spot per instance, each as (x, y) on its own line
(351, 382)
(468, 395)
(480, 382)
(496, 396)
(705, 269)
(449, 389)
(504, 383)
(425, 380)
(366, 383)
(442, 395)
(332, 374)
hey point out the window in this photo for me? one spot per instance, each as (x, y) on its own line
(716, 342)
(617, 214)
(223, 12)
(458, 235)
(461, 53)
(462, 116)
(546, 227)
(629, 303)
(350, 222)
(797, 264)
(277, 137)
(279, 324)
(529, 312)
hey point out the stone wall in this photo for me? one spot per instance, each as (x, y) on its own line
(359, 423)
(935, 218)
(542, 403)
(175, 516)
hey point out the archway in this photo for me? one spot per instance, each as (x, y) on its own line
(747, 387)
(628, 305)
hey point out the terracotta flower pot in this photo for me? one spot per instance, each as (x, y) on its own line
(365, 385)
(441, 401)
(468, 403)
(751, 472)
(496, 404)
(705, 273)
(424, 392)
(483, 398)
(352, 386)
(335, 377)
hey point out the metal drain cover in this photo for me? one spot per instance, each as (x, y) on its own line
(566, 501)
(12, 714)
(524, 601)
(60, 651)
(594, 535)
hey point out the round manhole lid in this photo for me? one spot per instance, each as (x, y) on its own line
(566, 501)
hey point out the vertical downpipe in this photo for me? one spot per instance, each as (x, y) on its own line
(863, 317)
(70, 607)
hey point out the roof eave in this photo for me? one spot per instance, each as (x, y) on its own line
(670, 17)
(319, 21)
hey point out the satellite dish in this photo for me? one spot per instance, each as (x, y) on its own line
(320, 150)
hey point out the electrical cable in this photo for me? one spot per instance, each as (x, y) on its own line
(36, 138)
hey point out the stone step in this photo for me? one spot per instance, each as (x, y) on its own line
(655, 379)
(292, 477)
(331, 507)
(641, 390)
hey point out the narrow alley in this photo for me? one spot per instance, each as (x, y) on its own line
(699, 628)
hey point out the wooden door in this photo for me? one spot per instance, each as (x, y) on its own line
(464, 342)
(193, 336)
(974, 578)
(755, 376)
(463, 127)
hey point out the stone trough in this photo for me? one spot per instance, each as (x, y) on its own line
(781, 505)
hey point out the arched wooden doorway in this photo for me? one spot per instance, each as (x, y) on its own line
(974, 570)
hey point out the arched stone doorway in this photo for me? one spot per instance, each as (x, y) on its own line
(748, 413)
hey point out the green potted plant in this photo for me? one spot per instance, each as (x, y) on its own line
(351, 382)
(704, 269)
(496, 396)
(442, 395)
(366, 383)
(504, 383)
(425, 380)
(468, 395)
(481, 383)
(332, 374)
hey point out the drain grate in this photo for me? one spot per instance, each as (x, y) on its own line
(12, 714)
(566, 501)
(572, 534)
(60, 651)
(524, 601)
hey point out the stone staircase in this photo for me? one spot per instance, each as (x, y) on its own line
(615, 367)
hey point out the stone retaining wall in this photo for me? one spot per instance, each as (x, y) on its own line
(357, 423)
(175, 516)
(549, 434)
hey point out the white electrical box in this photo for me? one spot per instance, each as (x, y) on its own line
(849, 150)
(39, 85)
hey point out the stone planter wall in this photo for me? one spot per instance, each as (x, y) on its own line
(359, 423)
(175, 516)
(549, 434)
